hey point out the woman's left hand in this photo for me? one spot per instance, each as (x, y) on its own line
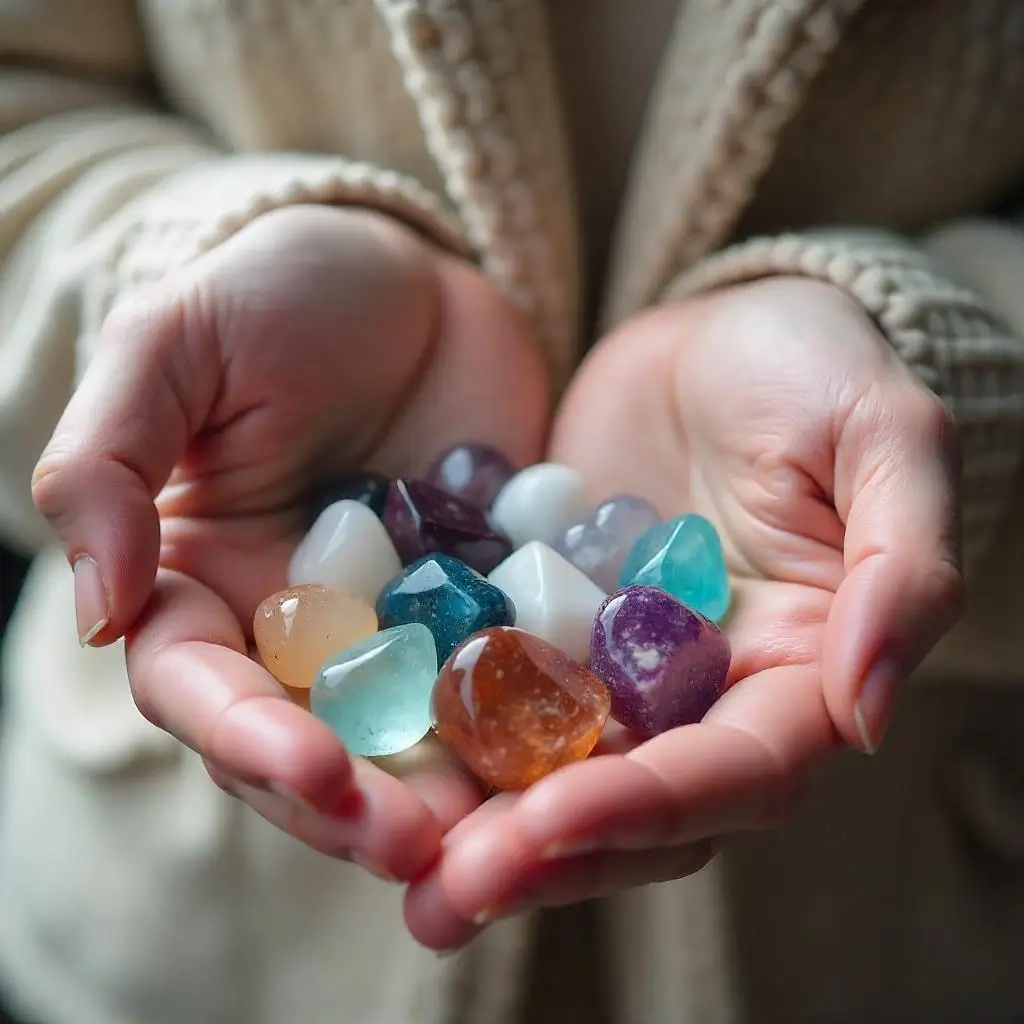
(777, 410)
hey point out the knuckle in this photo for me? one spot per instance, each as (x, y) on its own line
(52, 480)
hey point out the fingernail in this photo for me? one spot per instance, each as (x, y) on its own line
(510, 908)
(872, 711)
(370, 866)
(92, 603)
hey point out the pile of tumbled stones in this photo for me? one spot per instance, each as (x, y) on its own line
(500, 610)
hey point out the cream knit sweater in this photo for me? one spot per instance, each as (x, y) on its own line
(132, 890)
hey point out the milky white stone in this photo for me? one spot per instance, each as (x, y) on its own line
(347, 548)
(553, 599)
(540, 503)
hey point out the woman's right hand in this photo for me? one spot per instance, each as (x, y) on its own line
(314, 342)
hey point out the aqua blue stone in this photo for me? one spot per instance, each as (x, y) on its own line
(375, 695)
(684, 558)
(448, 597)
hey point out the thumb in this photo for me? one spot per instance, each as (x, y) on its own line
(129, 422)
(897, 491)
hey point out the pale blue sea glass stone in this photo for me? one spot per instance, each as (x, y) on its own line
(375, 695)
(684, 558)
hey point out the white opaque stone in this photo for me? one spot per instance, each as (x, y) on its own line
(540, 503)
(553, 599)
(347, 548)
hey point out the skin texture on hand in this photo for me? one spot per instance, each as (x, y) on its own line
(777, 410)
(314, 342)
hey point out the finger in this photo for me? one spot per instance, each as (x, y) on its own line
(431, 918)
(742, 768)
(385, 828)
(737, 770)
(599, 875)
(896, 489)
(128, 423)
(430, 915)
(439, 909)
(320, 832)
(191, 677)
(436, 921)
(683, 786)
(440, 780)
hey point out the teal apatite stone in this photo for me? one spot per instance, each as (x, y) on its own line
(684, 558)
(375, 695)
(448, 597)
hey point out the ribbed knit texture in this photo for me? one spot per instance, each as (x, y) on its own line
(949, 335)
(444, 113)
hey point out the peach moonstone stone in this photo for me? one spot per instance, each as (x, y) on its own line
(298, 629)
(514, 708)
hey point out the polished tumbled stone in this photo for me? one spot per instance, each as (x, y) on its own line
(553, 599)
(664, 663)
(448, 597)
(684, 557)
(369, 489)
(297, 629)
(422, 520)
(375, 695)
(473, 472)
(540, 503)
(514, 708)
(598, 546)
(347, 548)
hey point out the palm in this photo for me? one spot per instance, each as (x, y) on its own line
(742, 445)
(332, 364)
(763, 423)
(346, 356)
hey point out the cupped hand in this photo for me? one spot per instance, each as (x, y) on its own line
(777, 410)
(314, 342)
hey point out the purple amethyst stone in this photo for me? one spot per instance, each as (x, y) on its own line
(424, 520)
(664, 664)
(472, 472)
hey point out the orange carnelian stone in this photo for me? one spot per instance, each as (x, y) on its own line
(298, 629)
(514, 708)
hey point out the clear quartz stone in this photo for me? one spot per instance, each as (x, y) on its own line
(553, 599)
(598, 546)
(347, 548)
(540, 503)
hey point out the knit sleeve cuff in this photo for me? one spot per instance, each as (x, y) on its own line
(945, 332)
(197, 209)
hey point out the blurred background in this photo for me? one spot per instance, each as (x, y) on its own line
(12, 572)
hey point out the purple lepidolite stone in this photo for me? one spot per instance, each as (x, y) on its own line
(472, 472)
(424, 520)
(664, 663)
